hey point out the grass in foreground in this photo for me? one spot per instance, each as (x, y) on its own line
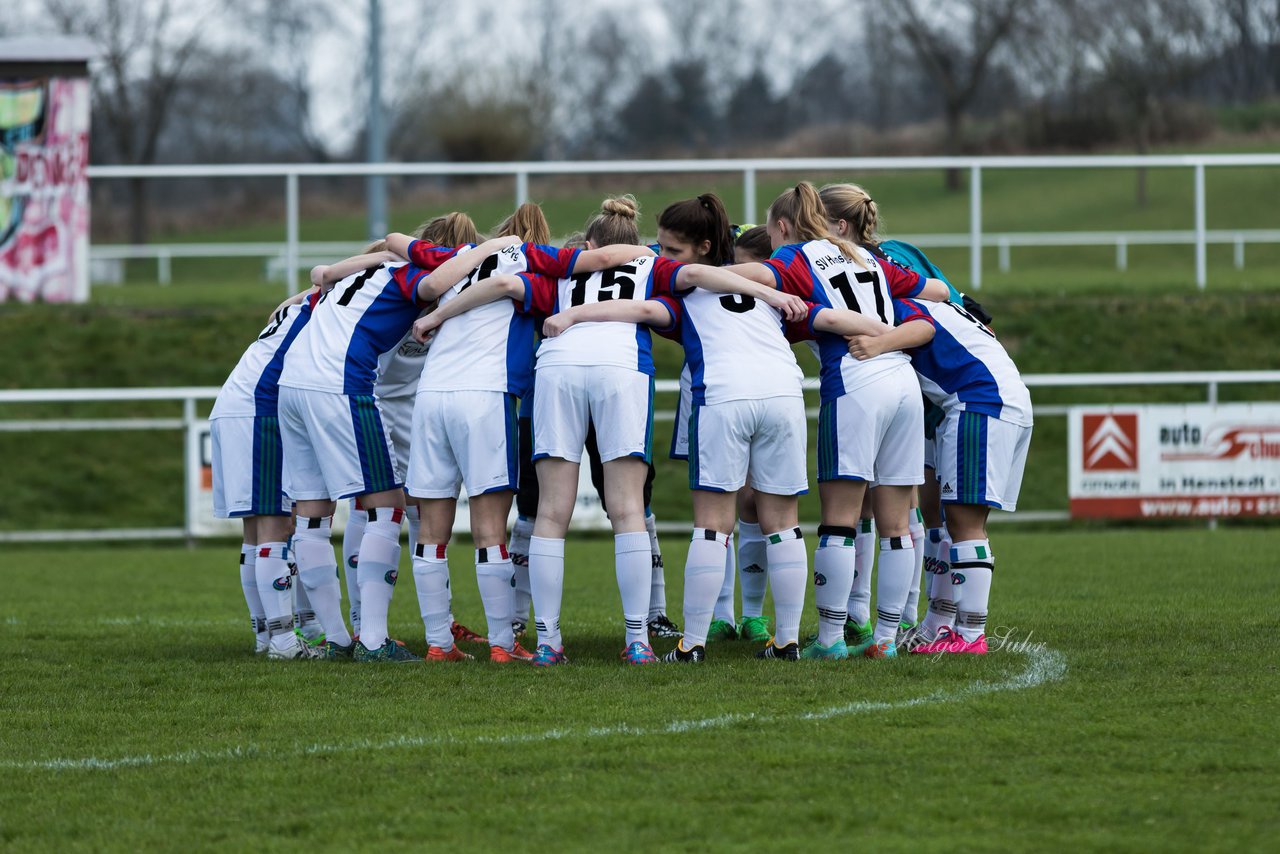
(1158, 734)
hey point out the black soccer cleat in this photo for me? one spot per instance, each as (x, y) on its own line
(790, 652)
(679, 655)
(662, 627)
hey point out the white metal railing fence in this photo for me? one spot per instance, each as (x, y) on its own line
(748, 168)
(1211, 381)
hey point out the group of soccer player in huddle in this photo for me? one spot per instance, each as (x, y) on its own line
(436, 362)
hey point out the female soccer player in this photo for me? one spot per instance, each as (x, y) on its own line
(247, 466)
(601, 373)
(870, 422)
(464, 432)
(335, 441)
(982, 450)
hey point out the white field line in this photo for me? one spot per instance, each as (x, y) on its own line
(1044, 665)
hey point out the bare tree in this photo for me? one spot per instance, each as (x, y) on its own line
(145, 52)
(956, 43)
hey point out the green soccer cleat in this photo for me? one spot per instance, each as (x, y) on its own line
(857, 635)
(721, 630)
(389, 651)
(754, 629)
(817, 652)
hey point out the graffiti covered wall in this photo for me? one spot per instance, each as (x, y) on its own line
(44, 190)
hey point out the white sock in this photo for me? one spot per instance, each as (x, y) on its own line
(893, 581)
(833, 564)
(431, 580)
(788, 577)
(253, 599)
(942, 603)
(911, 612)
(351, 536)
(546, 581)
(271, 571)
(724, 602)
(378, 571)
(494, 574)
(304, 616)
(971, 566)
(521, 531)
(859, 606)
(318, 572)
(752, 568)
(703, 578)
(633, 564)
(657, 580)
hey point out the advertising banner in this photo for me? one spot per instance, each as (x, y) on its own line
(1174, 461)
(44, 189)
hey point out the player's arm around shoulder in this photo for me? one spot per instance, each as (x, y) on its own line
(481, 293)
(651, 312)
(914, 328)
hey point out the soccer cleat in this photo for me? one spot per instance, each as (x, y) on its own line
(881, 649)
(856, 634)
(911, 638)
(389, 651)
(837, 651)
(435, 653)
(316, 639)
(547, 656)
(790, 652)
(261, 644)
(518, 628)
(973, 647)
(662, 627)
(333, 651)
(680, 655)
(295, 648)
(506, 656)
(721, 630)
(947, 641)
(904, 630)
(754, 629)
(638, 652)
(462, 633)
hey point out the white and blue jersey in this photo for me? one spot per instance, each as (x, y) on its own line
(964, 367)
(253, 387)
(353, 327)
(617, 344)
(490, 347)
(819, 272)
(734, 347)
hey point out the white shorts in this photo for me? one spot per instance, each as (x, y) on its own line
(981, 459)
(684, 408)
(397, 414)
(246, 468)
(464, 437)
(930, 453)
(619, 401)
(765, 438)
(875, 432)
(335, 445)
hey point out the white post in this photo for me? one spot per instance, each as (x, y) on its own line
(748, 195)
(192, 468)
(1213, 392)
(163, 269)
(1004, 255)
(1122, 254)
(522, 188)
(1201, 272)
(975, 226)
(291, 233)
(1239, 253)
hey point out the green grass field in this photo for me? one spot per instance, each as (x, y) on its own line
(1136, 712)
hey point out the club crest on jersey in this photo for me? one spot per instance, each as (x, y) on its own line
(391, 577)
(284, 582)
(819, 580)
(957, 578)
